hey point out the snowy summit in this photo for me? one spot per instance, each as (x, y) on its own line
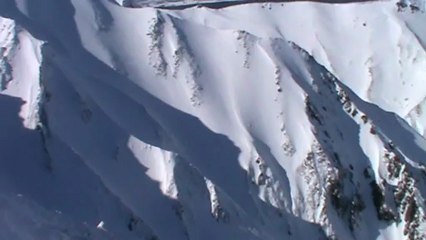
(212, 120)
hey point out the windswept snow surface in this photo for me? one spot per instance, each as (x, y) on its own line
(266, 121)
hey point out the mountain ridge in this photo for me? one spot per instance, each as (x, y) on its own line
(202, 124)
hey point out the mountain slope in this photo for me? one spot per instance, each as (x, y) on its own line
(296, 120)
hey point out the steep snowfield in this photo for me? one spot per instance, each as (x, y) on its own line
(266, 121)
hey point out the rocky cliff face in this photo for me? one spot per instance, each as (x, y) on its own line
(285, 120)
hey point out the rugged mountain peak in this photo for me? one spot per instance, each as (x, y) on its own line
(161, 120)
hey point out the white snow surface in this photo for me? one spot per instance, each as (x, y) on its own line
(266, 121)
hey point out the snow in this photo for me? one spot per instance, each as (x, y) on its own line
(251, 121)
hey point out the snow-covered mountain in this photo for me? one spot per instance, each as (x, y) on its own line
(227, 120)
